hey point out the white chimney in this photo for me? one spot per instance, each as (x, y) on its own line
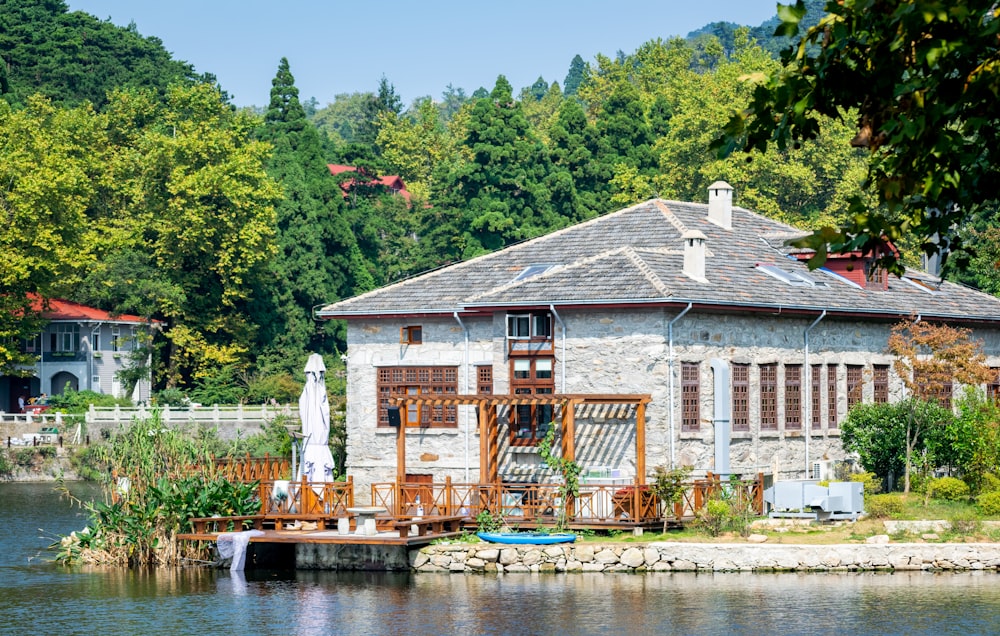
(694, 255)
(720, 204)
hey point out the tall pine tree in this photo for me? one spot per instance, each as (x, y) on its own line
(317, 259)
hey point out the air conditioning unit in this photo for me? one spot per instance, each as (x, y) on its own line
(822, 470)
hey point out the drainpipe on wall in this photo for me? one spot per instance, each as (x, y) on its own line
(562, 329)
(808, 382)
(721, 416)
(670, 379)
(465, 366)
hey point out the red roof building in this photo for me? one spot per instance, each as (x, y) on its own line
(393, 183)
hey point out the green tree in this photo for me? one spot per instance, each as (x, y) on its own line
(498, 196)
(805, 187)
(47, 175)
(188, 189)
(920, 77)
(313, 264)
(383, 102)
(970, 443)
(72, 57)
(878, 434)
(575, 75)
(343, 119)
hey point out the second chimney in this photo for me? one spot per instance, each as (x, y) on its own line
(720, 204)
(694, 255)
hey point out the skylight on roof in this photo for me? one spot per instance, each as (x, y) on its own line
(533, 270)
(794, 279)
(924, 285)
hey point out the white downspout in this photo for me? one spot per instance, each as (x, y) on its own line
(670, 380)
(562, 367)
(808, 382)
(465, 383)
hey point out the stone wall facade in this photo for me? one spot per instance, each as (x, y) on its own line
(624, 351)
(703, 557)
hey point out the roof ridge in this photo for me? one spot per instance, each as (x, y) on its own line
(670, 216)
(647, 271)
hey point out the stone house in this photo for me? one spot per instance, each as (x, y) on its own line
(749, 360)
(80, 347)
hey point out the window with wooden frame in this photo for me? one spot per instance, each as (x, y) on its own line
(875, 276)
(741, 397)
(529, 423)
(816, 396)
(484, 379)
(993, 388)
(690, 397)
(769, 397)
(793, 397)
(529, 333)
(831, 395)
(411, 335)
(855, 384)
(400, 381)
(880, 383)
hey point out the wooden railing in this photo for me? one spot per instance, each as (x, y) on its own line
(247, 469)
(307, 498)
(525, 503)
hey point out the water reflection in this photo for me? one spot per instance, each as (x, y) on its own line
(42, 598)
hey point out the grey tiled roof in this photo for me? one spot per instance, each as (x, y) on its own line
(636, 255)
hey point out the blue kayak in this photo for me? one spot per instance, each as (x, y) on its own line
(527, 538)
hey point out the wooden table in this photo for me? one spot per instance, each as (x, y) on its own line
(363, 515)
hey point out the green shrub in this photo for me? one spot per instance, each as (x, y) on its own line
(715, 516)
(871, 483)
(989, 503)
(24, 456)
(884, 506)
(46, 452)
(948, 489)
(283, 388)
(486, 521)
(990, 483)
(170, 397)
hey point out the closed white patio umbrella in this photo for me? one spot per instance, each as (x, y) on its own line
(314, 411)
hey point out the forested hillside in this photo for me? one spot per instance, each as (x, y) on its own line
(133, 185)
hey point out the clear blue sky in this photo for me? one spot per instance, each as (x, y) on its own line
(344, 47)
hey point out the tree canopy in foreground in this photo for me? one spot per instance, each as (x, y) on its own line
(920, 78)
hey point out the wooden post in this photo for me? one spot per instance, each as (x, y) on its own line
(569, 430)
(446, 508)
(640, 442)
(484, 451)
(401, 444)
(494, 444)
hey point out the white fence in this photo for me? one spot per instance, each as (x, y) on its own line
(239, 414)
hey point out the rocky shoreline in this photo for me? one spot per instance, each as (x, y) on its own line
(486, 558)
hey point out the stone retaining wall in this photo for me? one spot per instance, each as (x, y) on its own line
(678, 557)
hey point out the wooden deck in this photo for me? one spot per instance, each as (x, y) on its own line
(330, 537)
(390, 530)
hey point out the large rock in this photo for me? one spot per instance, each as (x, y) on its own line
(632, 558)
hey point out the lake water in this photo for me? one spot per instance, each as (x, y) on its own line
(38, 597)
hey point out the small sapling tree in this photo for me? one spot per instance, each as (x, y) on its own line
(929, 358)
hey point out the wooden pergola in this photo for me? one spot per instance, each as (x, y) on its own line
(489, 407)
